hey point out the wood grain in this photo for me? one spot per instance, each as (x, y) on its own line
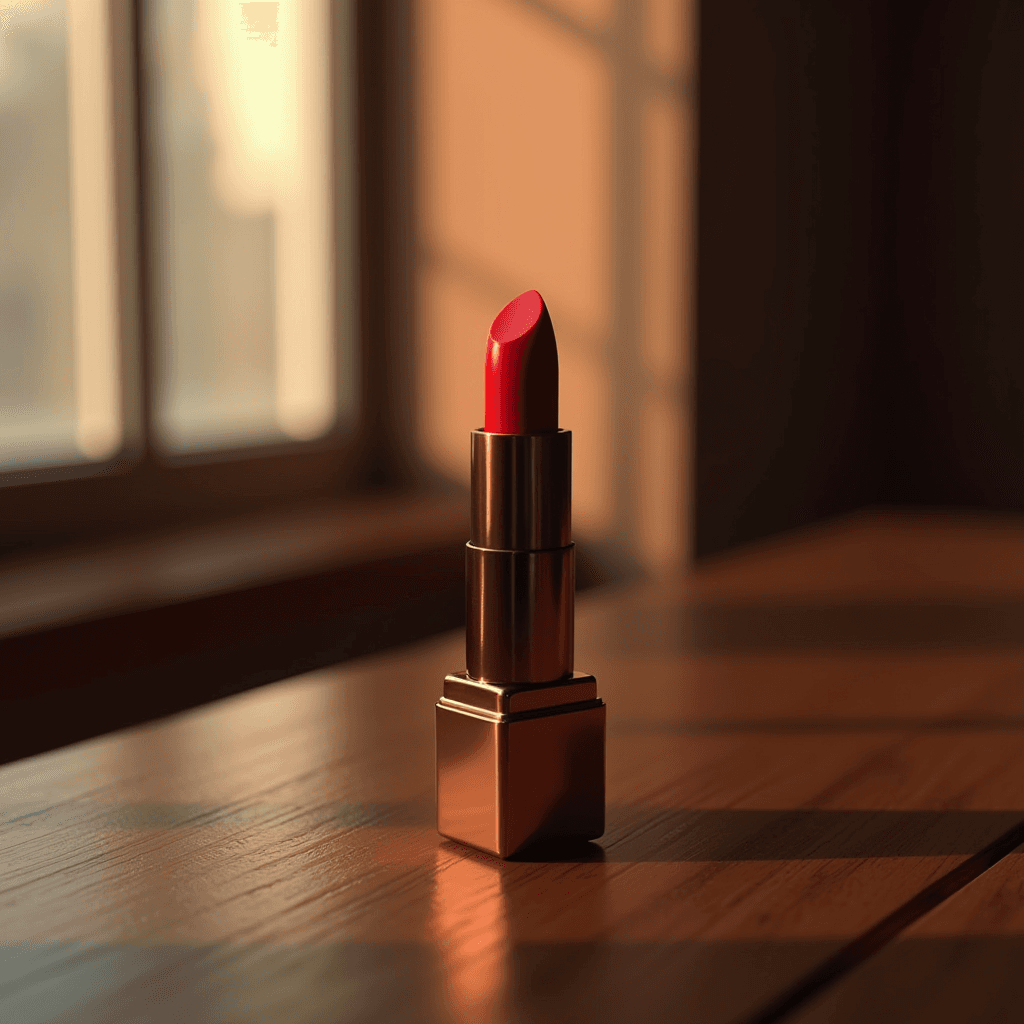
(961, 962)
(872, 554)
(273, 856)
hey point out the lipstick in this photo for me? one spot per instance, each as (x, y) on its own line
(520, 735)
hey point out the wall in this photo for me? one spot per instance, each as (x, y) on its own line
(859, 264)
(791, 241)
(961, 262)
(553, 151)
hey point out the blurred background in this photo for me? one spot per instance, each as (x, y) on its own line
(554, 150)
(543, 145)
(250, 253)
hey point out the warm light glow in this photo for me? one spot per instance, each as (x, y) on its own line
(470, 928)
(554, 152)
(98, 427)
(662, 526)
(264, 68)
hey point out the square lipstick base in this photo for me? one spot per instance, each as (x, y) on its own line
(519, 763)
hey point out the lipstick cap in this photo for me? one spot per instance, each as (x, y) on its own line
(519, 763)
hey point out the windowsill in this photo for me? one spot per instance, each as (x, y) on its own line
(108, 635)
(85, 582)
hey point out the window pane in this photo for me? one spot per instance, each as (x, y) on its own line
(59, 388)
(243, 275)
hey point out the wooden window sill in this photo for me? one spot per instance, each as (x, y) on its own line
(96, 638)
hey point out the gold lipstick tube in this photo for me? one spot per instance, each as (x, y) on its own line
(520, 735)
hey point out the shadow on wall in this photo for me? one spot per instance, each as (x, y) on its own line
(554, 151)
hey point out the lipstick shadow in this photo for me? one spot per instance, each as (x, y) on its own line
(520, 735)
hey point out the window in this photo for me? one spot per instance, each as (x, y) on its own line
(60, 396)
(178, 324)
(239, 136)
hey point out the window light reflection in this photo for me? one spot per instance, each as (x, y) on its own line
(470, 926)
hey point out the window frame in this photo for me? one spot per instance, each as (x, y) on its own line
(142, 488)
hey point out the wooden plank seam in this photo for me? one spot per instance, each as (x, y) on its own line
(872, 941)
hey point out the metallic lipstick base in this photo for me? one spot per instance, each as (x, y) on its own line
(519, 762)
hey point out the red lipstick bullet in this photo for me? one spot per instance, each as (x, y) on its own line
(521, 370)
(520, 735)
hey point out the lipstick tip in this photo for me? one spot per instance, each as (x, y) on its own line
(521, 371)
(518, 318)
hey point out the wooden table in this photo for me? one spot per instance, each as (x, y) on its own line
(815, 785)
